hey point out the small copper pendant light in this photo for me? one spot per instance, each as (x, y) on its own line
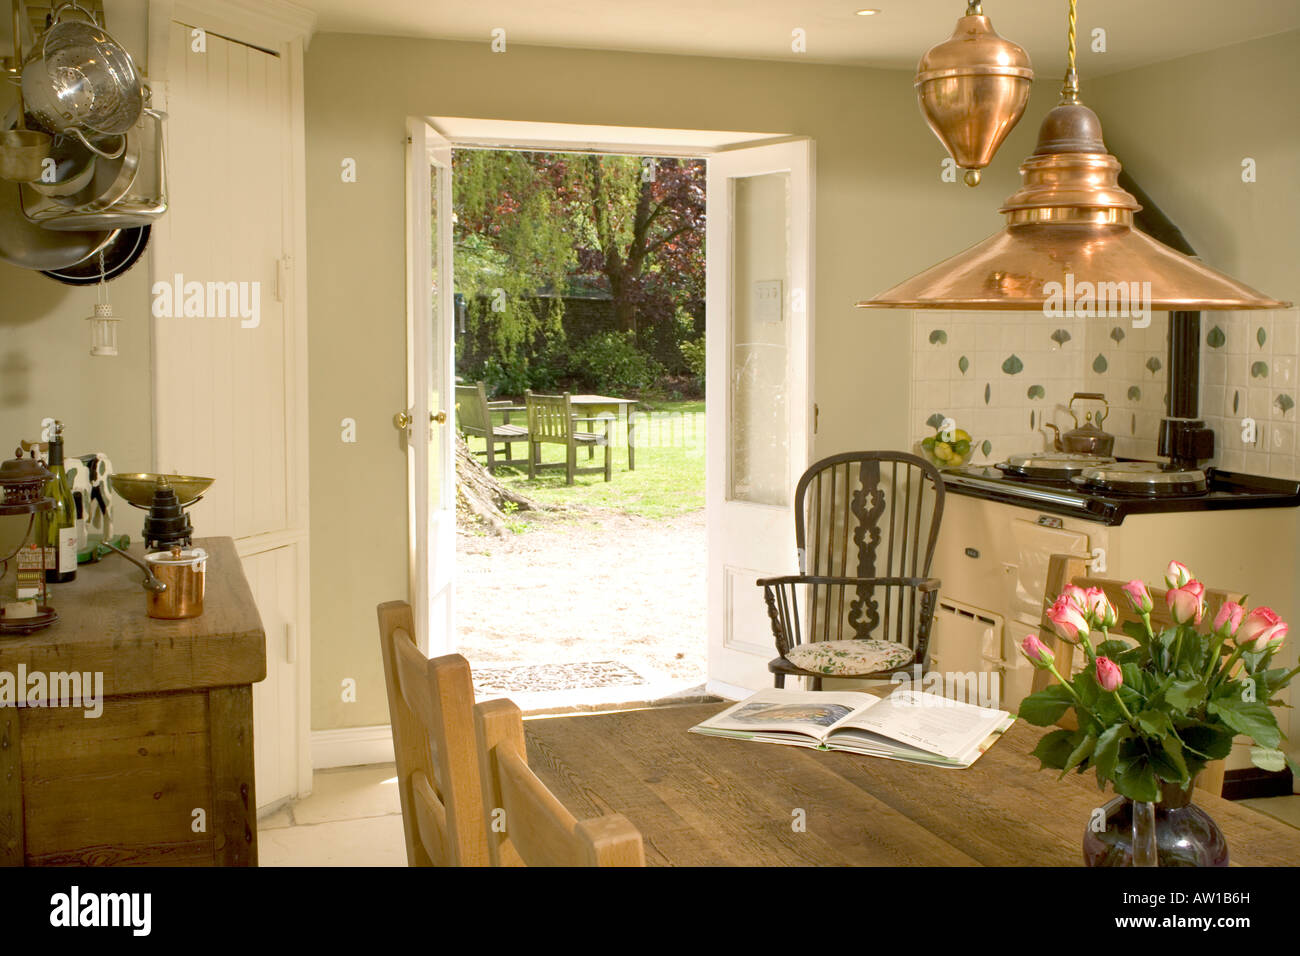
(973, 89)
(1070, 223)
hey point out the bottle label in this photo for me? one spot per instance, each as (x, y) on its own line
(67, 550)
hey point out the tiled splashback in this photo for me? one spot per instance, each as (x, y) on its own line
(1000, 376)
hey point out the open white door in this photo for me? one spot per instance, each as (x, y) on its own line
(760, 409)
(428, 420)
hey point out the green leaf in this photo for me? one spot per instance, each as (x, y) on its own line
(1117, 334)
(1185, 695)
(1255, 720)
(1284, 402)
(1261, 336)
(1134, 393)
(1113, 648)
(1061, 336)
(1216, 339)
(1258, 369)
(1013, 365)
(1081, 752)
(935, 420)
(963, 364)
(1136, 780)
(938, 337)
(1136, 630)
(988, 392)
(1267, 758)
(987, 447)
(1044, 708)
(1168, 762)
(1154, 723)
(1154, 365)
(1036, 391)
(1099, 364)
(1210, 742)
(1054, 749)
(1106, 753)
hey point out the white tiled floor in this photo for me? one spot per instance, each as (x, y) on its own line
(354, 818)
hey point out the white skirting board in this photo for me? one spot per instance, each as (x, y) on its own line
(351, 746)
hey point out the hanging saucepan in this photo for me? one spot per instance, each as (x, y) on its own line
(28, 246)
(83, 83)
(116, 258)
(110, 180)
(73, 167)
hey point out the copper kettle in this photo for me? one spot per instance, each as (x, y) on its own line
(1088, 438)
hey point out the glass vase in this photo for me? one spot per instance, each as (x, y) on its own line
(1184, 834)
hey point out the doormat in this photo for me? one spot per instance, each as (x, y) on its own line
(522, 678)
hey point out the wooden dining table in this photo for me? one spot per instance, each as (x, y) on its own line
(707, 801)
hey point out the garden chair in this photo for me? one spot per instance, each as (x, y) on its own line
(537, 829)
(1063, 569)
(430, 705)
(551, 421)
(865, 528)
(474, 417)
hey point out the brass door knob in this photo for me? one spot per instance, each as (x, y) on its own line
(402, 420)
(440, 418)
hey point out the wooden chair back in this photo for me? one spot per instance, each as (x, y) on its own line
(1068, 569)
(550, 417)
(430, 703)
(473, 414)
(867, 514)
(527, 825)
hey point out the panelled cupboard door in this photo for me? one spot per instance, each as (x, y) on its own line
(219, 324)
(272, 575)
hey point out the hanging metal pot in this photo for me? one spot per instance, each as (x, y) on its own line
(28, 246)
(23, 152)
(83, 83)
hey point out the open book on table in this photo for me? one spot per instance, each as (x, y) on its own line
(907, 725)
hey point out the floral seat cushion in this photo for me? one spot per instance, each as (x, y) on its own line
(849, 658)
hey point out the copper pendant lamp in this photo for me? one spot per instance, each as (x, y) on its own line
(1070, 224)
(972, 89)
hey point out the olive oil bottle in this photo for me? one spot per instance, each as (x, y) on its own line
(58, 527)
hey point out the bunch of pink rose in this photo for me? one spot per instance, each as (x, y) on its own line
(1158, 706)
(1079, 611)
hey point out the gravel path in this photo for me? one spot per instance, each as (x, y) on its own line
(587, 586)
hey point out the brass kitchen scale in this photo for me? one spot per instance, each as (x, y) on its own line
(164, 498)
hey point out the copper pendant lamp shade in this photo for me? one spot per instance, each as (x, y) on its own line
(1070, 227)
(972, 90)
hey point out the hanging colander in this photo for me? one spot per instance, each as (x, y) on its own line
(82, 83)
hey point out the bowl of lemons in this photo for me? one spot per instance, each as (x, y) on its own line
(948, 449)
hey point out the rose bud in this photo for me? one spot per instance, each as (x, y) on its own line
(1039, 654)
(1139, 596)
(1260, 630)
(1077, 595)
(1109, 677)
(1187, 603)
(1068, 620)
(1228, 619)
(1101, 613)
(1176, 575)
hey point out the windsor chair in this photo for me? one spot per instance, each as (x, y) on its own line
(865, 528)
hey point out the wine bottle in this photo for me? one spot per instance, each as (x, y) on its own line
(58, 528)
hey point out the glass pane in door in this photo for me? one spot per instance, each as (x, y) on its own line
(436, 385)
(758, 373)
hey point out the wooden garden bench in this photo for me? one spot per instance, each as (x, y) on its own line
(551, 421)
(474, 417)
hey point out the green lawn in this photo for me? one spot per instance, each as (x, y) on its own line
(669, 476)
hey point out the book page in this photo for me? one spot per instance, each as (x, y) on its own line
(929, 722)
(811, 713)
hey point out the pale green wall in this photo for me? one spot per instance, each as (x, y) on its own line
(882, 214)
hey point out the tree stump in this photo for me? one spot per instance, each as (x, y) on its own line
(481, 496)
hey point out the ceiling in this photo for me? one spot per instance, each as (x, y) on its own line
(1138, 31)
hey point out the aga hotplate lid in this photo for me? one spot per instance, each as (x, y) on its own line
(1051, 465)
(1147, 478)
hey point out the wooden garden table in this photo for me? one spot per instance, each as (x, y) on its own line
(701, 801)
(591, 406)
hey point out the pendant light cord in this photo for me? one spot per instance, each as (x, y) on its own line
(1070, 92)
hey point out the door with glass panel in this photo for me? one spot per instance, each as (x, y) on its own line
(427, 420)
(759, 355)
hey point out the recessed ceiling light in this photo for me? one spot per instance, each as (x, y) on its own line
(867, 13)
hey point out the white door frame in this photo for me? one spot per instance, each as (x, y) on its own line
(461, 133)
